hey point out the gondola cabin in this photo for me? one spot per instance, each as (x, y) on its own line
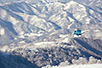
(77, 32)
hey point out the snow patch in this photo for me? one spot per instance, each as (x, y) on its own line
(32, 34)
(91, 11)
(77, 36)
(43, 43)
(63, 36)
(87, 20)
(71, 20)
(22, 42)
(29, 35)
(21, 36)
(66, 40)
(83, 66)
(2, 31)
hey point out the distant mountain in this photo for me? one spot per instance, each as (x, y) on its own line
(26, 17)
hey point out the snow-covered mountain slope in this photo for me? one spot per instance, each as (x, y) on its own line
(53, 53)
(26, 17)
(42, 30)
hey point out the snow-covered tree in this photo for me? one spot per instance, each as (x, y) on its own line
(66, 63)
(75, 61)
(82, 60)
(92, 60)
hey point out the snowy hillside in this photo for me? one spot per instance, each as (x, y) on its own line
(85, 66)
(81, 66)
(41, 31)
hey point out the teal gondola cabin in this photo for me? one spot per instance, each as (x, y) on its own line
(77, 32)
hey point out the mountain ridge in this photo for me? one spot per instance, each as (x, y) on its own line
(26, 17)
